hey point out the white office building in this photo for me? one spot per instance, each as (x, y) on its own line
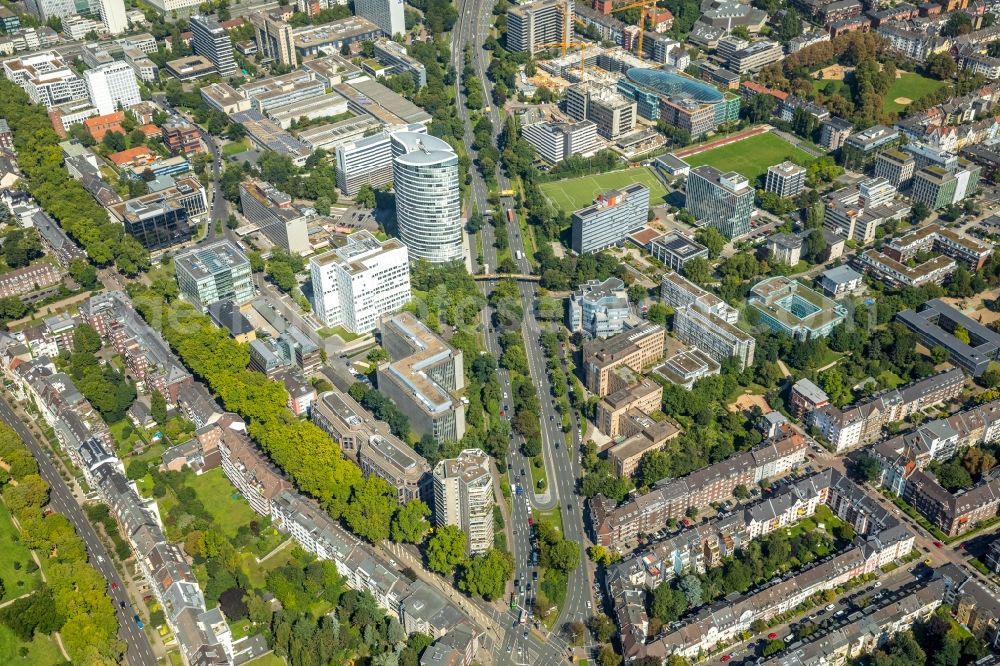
(357, 283)
(112, 86)
(113, 16)
(46, 79)
(210, 40)
(386, 14)
(463, 496)
(428, 200)
(367, 161)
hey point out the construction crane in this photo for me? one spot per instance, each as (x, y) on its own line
(583, 52)
(646, 6)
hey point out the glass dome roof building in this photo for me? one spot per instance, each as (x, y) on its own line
(675, 85)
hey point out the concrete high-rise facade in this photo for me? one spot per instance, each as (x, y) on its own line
(535, 26)
(612, 217)
(725, 200)
(210, 40)
(112, 87)
(386, 14)
(272, 211)
(463, 497)
(113, 16)
(428, 199)
(359, 282)
(367, 161)
(274, 38)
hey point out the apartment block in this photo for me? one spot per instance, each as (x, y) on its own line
(181, 137)
(47, 79)
(361, 280)
(422, 376)
(395, 56)
(274, 38)
(613, 114)
(933, 237)
(463, 496)
(376, 450)
(640, 435)
(539, 25)
(214, 272)
(862, 423)
(635, 349)
(610, 219)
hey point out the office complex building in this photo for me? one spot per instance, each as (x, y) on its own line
(896, 167)
(788, 306)
(180, 136)
(399, 61)
(274, 38)
(833, 132)
(272, 211)
(386, 14)
(113, 17)
(705, 321)
(613, 114)
(786, 179)
(158, 220)
(634, 349)
(539, 25)
(861, 149)
(282, 90)
(368, 160)
(428, 200)
(936, 324)
(970, 251)
(556, 141)
(724, 200)
(744, 57)
(46, 79)
(612, 217)
(210, 40)
(357, 283)
(463, 497)
(599, 309)
(679, 100)
(421, 377)
(675, 249)
(214, 272)
(937, 187)
(856, 212)
(112, 87)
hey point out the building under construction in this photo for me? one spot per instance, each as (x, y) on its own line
(534, 26)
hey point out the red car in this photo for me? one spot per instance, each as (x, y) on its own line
(961, 546)
(725, 658)
(938, 544)
(771, 636)
(114, 586)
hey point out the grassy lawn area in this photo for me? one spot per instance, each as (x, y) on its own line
(752, 156)
(42, 651)
(339, 331)
(909, 85)
(257, 573)
(269, 659)
(235, 148)
(17, 581)
(552, 517)
(575, 193)
(538, 473)
(229, 511)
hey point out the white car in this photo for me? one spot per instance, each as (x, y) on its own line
(830, 607)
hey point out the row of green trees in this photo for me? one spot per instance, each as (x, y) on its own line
(74, 601)
(40, 158)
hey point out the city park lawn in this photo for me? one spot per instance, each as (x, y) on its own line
(752, 156)
(41, 651)
(907, 86)
(16, 581)
(576, 193)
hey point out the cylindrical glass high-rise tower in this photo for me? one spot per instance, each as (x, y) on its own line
(428, 199)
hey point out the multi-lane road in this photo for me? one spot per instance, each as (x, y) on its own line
(561, 462)
(138, 652)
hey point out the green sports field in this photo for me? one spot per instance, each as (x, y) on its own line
(751, 157)
(576, 193)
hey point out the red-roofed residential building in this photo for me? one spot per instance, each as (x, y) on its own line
(98, 126)
(661, 18)
(750, 89)
(132, 157)
(150, 130)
